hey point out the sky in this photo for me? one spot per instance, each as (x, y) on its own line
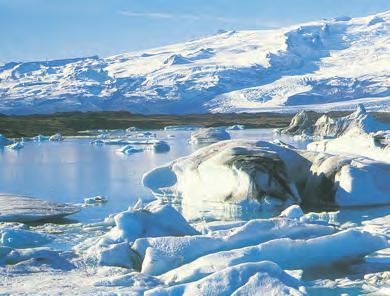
(56, 29)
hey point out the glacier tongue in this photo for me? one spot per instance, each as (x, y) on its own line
(329, 64)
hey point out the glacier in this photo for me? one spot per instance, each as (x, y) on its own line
(324, 65)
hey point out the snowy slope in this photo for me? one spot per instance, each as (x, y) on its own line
(330, 64)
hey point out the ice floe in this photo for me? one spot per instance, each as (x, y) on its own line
(94, 200)
(16, 208)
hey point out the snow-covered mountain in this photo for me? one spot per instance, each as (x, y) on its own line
(329, 64)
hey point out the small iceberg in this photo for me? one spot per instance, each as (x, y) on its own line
(209, 136)
(161, 146)
(132, 129)
(15, 146)
(56, 138)
(95, 200)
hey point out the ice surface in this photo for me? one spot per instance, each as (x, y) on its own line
(290, 254)
(261, 278)
(25, 209)
(185, 249)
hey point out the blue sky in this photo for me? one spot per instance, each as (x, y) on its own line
(50, 29)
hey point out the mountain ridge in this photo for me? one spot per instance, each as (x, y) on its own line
(325, 65)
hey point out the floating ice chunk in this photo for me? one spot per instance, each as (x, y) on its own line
(251, 233)
(236, 127)
(129, 149)
(293, 212)
(95, 200)
(183, 127)
(40, 138)
(4, 141)
(16, 237)
(289, 254)
(209, 135)
(260, 278)
(56, 138)
(15, 146)
(161, 146)
(15, 208)
(97, 142)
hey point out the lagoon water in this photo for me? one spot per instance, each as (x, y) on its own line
(73, 169)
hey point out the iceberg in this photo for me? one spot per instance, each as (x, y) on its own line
(236, 127)
(160, 147)
(16, 208)
(130, 149)
(56, 137)
(95, 200)
(272, 175)
(40, 138)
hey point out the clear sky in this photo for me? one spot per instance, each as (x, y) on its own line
(53, 29)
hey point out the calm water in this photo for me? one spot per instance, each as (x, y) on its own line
(73, 169)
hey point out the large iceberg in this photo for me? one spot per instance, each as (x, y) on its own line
(272, 175)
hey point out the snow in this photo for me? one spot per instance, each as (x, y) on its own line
(209, 135)
(14, 208)
(322, 65)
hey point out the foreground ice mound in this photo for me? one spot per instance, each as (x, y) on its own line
(209, 135)
(289, 254)
(272, 175)
(260, 278)
(113, 248)
(4, 141)
(15, 208)
(163, 253)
